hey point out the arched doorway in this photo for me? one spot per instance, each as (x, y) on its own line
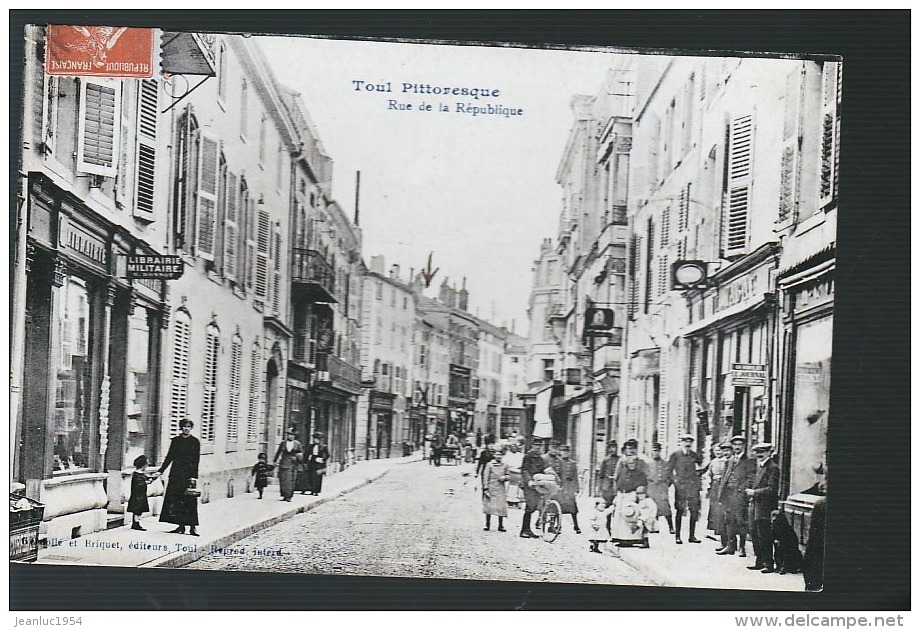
(271, 404)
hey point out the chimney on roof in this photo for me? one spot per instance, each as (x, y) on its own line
(463, 296)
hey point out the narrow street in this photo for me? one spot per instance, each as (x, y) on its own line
(419, 521)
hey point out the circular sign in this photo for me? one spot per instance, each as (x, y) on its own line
(689, 274)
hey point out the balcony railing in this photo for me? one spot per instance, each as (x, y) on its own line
(342, 375)
(313, 276)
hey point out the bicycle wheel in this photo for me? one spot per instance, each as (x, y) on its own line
(552, 521)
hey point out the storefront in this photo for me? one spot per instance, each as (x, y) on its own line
(808, 303)
(91, 373)
(380, 425)
(729, 346)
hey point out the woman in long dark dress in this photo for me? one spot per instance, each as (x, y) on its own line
(290, 454)
(178, 506)
(317, 459)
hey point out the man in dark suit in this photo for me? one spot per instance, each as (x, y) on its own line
(737, 477)
(608, 487)
(683, 471)
(764, 496)
(533, 464)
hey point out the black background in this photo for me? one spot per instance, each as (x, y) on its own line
(868, 532)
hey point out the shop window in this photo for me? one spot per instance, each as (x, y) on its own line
(233, 401)
(209, 380)
(811, 400)
(73, 415)
(178, 408)
(140, 385)
(98, 135)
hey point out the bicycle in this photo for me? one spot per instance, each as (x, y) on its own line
(549, 522)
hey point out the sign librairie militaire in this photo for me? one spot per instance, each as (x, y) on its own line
(154, 267)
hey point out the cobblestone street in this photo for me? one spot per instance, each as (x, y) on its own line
(418, 521)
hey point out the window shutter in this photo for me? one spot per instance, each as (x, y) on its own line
(251, 221)
(148, 100)
(683, 211)
(830, 130)
(263, 245)
(97, 144)
(206, 202)
(663, 274)
(740, 156)
(49, 113)
(633, 274)
(233, 404)
(231, 227)
(209, 398)
(789, 158)
(178, 404)
(252, 419)
(653, 146)
(665, 227)
(276, 271)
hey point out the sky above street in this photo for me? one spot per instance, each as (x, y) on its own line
(477, 189)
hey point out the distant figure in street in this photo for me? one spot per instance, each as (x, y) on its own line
(259, 473)
(290, 454)
(721, 454)
(436, 443)
(737, 477)
(605, 476)
(568, 478)
(179, 506)
(658, 484)
(533, 465)
(764, 497)
(317, 460)
(684, 474)
(494, 498)
(485, 456)
(514, 458)
(478, 438)
(137, 502)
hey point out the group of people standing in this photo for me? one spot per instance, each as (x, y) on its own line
(299, 470)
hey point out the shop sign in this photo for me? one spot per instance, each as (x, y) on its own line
(748, 288)
(88, 246)
(154, 267)
(749, 374)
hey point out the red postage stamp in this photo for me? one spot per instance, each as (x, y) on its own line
(100, 51)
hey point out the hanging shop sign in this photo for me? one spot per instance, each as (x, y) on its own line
(154, 267)
(749, 374)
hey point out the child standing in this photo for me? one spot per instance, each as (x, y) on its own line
(137, 502)
(260, 472)
(599, 525)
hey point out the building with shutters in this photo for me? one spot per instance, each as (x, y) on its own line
(229, 335)
(723, 149)
(388, 324)
(324, 374)
(88, 370)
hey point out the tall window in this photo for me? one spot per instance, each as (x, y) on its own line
(830, 132)
(262, 138)
(255, 370)
(209, 394)
(222, 71)
(98, 133)
(263, 254)
(233, 402)
(789, 157)
(185, 181)
(244, 109)
(178, 404)
(147, 115)
(231, 227)
(206, 197)
(739, 163)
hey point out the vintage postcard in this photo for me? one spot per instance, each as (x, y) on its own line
(422, 309)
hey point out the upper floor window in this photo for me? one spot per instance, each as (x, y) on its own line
(222, 72)
(99, 127)
(244, 109)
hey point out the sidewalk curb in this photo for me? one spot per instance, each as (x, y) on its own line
(181, 558)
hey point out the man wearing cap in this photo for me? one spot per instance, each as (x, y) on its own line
(658, 484)
(608, 488)
(764, 497)
(738, 477)
(533, 464)
(683, 471)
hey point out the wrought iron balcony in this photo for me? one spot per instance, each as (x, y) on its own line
(340, 374)
(313, 277)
